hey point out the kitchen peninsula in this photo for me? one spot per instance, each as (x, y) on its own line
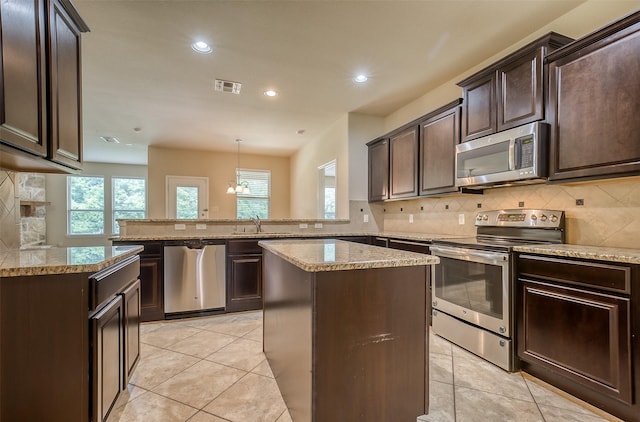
(345, 329)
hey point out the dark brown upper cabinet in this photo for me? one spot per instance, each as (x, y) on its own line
(439, 135)
(594, 104)
(510, 92)
(403, 163)
(378, 170)
(23, 95)
(65, 99)
(40, 91)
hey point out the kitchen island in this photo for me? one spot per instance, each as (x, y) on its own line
(69, 324)
(345, 329)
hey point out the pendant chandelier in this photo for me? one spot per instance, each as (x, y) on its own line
(238, 186)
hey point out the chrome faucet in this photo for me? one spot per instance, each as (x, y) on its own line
(258, 224)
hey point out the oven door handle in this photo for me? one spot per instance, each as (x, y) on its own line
(485, 257)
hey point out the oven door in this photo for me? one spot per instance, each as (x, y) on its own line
(474, 286)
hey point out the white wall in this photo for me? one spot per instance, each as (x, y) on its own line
(362, 129)
(220, 169)
(331, 145)
(57, 195)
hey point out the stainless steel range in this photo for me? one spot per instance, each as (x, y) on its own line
(473, 286)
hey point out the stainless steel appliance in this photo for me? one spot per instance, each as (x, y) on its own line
(513, 156)
(194, 276)
(473, 286)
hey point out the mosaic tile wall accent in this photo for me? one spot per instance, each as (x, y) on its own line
(33, 229)
(9, 212)
(610, 215)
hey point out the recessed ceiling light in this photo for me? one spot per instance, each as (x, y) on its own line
(270, 93)
(360, 78)
(201, 47)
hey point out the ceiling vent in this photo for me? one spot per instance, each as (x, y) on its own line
(228, 86)
(110, 139)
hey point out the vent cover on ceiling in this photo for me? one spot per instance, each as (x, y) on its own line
(228, 86)
(110, 139)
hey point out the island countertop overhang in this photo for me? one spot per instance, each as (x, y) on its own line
(316, 255)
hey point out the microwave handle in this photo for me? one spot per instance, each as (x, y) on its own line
(512, 154)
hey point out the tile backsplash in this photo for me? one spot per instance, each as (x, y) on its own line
(9, 211)
(33, 225)
(609, 216)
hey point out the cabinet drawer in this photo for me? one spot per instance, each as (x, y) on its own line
(249, 246)
(104, 284)
(615, 278)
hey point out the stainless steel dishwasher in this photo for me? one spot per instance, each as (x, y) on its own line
(194, 276)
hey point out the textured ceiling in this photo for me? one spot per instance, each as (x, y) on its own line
(143, 84)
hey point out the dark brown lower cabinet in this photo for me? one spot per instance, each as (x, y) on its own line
(108, 367)
(578, 325)
(151, 279)
(244, 275)
(151, 288)
(131, 303)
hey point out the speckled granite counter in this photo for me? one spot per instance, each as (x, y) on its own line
(62, 260)
(315, 255)
(629, 256)
(422, 237)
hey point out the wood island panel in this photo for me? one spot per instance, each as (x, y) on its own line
(348, 345)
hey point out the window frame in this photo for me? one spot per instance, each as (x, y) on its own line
(70, 210)
(250, 196)
(113, 201)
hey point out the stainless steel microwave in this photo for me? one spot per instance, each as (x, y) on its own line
(513, 156)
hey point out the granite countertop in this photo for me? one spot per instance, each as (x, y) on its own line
(424, 237)
(315, 255)
(602, 253)
(44, 261)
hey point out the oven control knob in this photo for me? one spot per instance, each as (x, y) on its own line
(534, 217)
(485, 217)
(554, 218)
(543, 217)
(478, 217)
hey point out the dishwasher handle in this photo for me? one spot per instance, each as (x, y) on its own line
(199, 296)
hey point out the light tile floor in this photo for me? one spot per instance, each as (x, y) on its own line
(212, 369)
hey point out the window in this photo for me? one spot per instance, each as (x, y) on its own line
(129, 199)
(256, 202)
(85, 205)
(92, 201)
(327, 190)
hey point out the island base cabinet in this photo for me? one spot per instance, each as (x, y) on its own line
(108, 366)
(347, 345)
(44, 348)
